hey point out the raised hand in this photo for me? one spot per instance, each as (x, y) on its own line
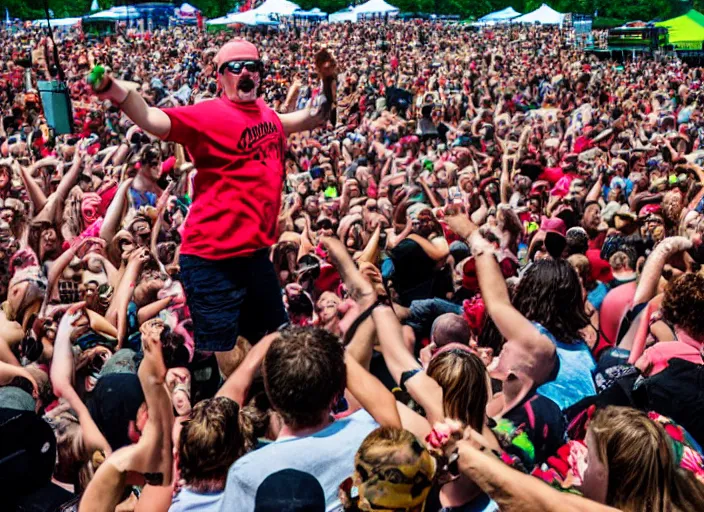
(359, 288)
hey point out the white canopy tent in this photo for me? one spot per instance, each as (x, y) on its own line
(186, 11)
(187, 8)
(545, 15)
(375, 7)
(370, 8)
(123, 12)
(342, 16)
(280, 7)
(63, 22)
(501, 16)
(250, 17)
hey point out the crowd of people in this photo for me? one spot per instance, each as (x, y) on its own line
(388, 265)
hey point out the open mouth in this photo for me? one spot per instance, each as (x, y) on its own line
(246, 84)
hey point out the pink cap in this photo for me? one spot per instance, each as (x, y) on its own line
(648, 209)
(553, 225)
(237, 49)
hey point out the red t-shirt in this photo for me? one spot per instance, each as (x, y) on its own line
(551, 174)
(238, 149)
(615, 305)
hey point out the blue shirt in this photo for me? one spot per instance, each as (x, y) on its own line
(574, 377)
(327, 455)
(596, 296)
(188, 501)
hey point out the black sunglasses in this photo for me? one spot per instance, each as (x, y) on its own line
(235, 67)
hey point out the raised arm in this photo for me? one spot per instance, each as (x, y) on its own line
(652, 271)
(595, 191)
(152, 309)
(117, 312)
(152, 377)
(505, 180)
(150, 459)
(435, 252)
(302, 120)
(156, 229)
(514, 491)
(34, 191)
(371, 252)
(62, 375)
(371, 394)
(113, 217)
(510, 322)
(398, 359)
(237, 385)
(318, 113)
(149, 119)
(68, 180)
(404, 368)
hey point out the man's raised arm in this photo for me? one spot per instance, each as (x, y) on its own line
(149, 119)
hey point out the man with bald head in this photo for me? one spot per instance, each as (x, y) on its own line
(450, 328)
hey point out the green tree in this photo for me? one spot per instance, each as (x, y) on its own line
(624, 9)
(213, 8)
(328, 6)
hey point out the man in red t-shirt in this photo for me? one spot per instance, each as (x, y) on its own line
(237, 144)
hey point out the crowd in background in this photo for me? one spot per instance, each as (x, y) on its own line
(489, 258)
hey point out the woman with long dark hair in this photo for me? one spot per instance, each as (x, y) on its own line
(543, 319)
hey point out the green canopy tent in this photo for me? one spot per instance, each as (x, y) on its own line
(686, 32)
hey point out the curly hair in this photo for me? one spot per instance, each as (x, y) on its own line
(683, 304)
(550, 293)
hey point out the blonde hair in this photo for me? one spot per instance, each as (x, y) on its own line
(217, 433)
(74, 465)
(463, 379)
(385, 445)
(643, 473)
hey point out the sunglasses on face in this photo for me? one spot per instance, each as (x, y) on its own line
(236, 67)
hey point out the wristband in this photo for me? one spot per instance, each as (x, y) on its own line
(155, 479)
(119, 104)
(407, 375)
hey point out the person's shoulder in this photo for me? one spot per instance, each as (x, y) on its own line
(187, 500)
(362, 417)
(196, 108)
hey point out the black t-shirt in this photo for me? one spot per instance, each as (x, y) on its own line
(542, 422)
(413, 273)
(678, 393)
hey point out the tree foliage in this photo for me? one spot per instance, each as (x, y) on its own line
(34, 9)
(621, 9)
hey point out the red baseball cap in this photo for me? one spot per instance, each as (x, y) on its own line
(237, 49)
(553, 225)
(649, 209)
